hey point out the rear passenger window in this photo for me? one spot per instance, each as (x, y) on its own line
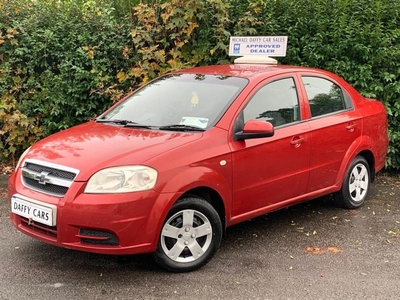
(324, 96)
(275, 102)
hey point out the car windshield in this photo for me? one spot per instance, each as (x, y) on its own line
(187, 100)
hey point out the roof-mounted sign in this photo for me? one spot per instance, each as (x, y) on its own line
(258, 45)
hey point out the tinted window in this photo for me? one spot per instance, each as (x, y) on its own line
(275, 102)
(184, 99)
(324, 96)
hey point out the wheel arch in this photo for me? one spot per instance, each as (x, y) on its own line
(212, 197)
(370, 158)
(203, 182)
(362, 146)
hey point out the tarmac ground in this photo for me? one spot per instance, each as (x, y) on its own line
(309, 251)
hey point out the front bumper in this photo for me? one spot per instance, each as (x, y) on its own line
(99, 223)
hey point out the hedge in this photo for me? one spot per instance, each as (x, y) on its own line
(64, 62)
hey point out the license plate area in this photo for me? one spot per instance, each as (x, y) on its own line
(34, 210)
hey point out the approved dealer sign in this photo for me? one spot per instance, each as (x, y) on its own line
(258, 45)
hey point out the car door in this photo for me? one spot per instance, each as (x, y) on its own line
(334, 124)
(267, 171)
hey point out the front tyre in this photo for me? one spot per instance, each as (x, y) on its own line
(355, 185)
(190, 236)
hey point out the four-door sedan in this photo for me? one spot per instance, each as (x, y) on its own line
(171, 166)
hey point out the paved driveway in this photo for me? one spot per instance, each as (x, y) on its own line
(309, 251)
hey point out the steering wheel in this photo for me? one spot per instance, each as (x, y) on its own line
(171, 114)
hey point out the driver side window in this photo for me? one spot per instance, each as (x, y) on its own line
(276, 102)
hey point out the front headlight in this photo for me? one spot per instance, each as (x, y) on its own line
(123, 179)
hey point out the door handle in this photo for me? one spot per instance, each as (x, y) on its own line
(351, 127)
(297, 141)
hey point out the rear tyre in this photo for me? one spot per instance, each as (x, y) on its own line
(355, 185)
(190, 236)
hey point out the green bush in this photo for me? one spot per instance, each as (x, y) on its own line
(357, 39)
(58, 61)
(63, 62)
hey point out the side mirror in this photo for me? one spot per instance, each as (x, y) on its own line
(254, 129)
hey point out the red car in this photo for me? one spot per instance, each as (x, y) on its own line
(171, 166)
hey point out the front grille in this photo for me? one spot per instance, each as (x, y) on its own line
(97, 237)
(50, 231)
(48, 178)
(55, 172)
(48, 188)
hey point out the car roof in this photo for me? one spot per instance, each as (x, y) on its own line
(246, 70)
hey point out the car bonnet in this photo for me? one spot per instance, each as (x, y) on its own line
(91, 146)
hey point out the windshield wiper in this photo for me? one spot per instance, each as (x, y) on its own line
(181, 127)
(136, 125)
(116, 121)
(126, 123)
(173, 127)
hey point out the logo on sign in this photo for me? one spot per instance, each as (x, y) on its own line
(236, 48)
